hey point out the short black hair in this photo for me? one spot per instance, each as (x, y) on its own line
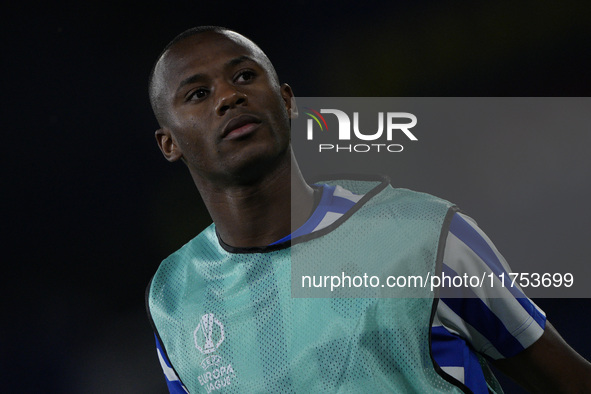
(193, 32)
(156, 107)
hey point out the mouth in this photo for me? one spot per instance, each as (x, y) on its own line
(240, 126)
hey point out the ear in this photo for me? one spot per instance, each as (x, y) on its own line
(167, 144)
(290, 102)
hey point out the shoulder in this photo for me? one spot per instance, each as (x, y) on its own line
(378, 189)
(414, 206)
(173, 269)
(411, 202)
(196, 245)
(499, 321)
(467, 245)
(416, 197)
(400, 207)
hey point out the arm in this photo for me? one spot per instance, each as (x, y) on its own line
(540, 360)
(549, 365)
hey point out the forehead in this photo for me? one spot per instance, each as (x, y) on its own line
(204, 53)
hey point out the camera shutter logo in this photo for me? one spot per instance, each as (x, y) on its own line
(209, 334)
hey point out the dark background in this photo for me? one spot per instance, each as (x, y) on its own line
(91, 207)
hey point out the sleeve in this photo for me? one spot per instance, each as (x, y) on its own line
(497, 321)
(172, 381)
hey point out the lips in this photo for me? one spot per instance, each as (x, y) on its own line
(240, 125)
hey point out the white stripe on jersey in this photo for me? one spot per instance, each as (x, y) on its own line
(474, 226)
(456, 372)
(330, 216)
(502, 260)
(340, 192)
(438, 323)
(168, 372)
(328, 219)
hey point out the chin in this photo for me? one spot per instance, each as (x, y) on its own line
(257, 164)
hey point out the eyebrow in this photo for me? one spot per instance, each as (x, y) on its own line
(197, 77)
(192, 79)
(237, 60)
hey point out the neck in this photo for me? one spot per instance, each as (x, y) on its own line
(263, 211)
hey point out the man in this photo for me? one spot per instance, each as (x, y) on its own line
(221, 306)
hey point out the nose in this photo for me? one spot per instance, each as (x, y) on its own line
(229, 97)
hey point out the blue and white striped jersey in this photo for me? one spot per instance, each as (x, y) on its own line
(496, 322)
(172, 380)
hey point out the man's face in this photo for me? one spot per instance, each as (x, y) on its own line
(226, 114)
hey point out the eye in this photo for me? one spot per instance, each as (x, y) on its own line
(197, 94)
(245, 76)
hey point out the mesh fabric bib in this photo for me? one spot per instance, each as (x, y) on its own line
(228, 321)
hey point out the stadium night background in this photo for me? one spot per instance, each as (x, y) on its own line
(91, 207)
